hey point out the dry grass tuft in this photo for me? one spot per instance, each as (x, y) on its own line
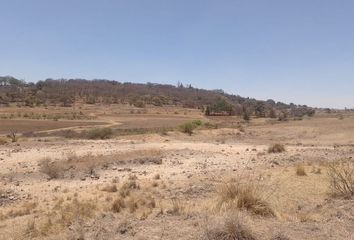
(244, 195)
(110, 188)
(280, 236)
(132, 199)
(23, 210)
(3, 141)
(341, 177)
(60, 217)
(127, 187)
(276, 148)
(13, 136)
(230, 227)
(133, 202)
(177, 207)
(118, 205)
(65, 213)
(300, 170)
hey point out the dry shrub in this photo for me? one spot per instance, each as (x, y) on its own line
(133, 202)
(13, 136)
(177, 207)
(3, 141)
(244, 195)
(99, 133)
(36, 229)
(127, 187)
(280, 236)
(300, 170)
(131, 198)
(188, 128)
(118, 205)
(148, 201)
(276, 148)
(110, 188)
(209, 125)
(229, 227)
(63, 215)
(53, 169)
(341, 178)
(76, 209)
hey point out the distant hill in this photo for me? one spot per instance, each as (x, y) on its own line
(66, 92)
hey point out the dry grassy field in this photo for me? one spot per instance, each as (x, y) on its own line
(119, 172)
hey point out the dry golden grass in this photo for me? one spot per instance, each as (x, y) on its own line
(110, 188)
(130, 198)
(62, 215)
(18, 211)
(228, 227)
(300, 170)
(118, 205)
(244, 195)
(341, 177)
(178, 207)
(127, 187)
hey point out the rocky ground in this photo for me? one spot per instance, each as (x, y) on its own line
(172, 186)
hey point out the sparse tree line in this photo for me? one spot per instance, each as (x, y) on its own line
(66, 92)
(252, 107)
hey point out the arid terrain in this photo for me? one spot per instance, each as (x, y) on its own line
(120, 172)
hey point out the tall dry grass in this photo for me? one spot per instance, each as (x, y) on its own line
(244, 194)
(341, 178)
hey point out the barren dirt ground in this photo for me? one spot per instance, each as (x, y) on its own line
(172, 186)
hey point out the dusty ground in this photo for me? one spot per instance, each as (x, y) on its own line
(167, 186)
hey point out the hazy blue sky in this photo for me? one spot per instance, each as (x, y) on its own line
(298, 51)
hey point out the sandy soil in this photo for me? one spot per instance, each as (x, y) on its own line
(182, 174)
